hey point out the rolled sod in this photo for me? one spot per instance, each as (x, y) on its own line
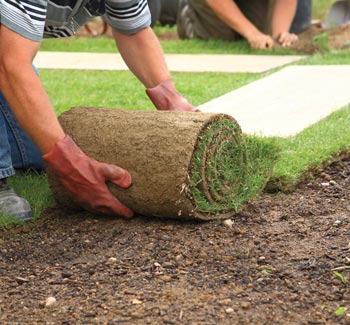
(183, 165)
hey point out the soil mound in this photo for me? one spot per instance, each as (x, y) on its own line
(317, 39)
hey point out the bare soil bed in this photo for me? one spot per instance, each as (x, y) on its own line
(275, 265)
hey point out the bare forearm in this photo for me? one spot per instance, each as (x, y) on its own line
(24, 92)
(143, 55)
(282, 16)
(229, 13)
(32, 108)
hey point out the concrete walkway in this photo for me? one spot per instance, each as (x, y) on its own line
(282, 104)
(288, 101)
(176, 62)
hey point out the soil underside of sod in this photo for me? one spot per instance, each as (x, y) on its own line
(274, 266)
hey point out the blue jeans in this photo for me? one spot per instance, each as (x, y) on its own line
(17, 150)
(303, 16)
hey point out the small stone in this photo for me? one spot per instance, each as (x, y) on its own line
(156, 264)
(202, 255)
(167, 264)
(245, 304)
(66, 274)
(228, 223)
(136, 302)
(21, 280)
(50, 301)
(225, 302)
(325, 184)
(229, 310)
(165, 278)
(112, 260)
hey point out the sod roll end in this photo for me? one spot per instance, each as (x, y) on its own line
(184, 165)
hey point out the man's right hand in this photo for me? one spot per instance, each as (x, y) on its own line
(260, 41)
(85, 178)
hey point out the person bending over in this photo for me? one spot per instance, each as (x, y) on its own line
(31, 135)
(260, 22)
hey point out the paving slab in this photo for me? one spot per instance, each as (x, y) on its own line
(288, 101)
(175, 62)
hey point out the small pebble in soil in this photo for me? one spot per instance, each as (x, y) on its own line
(136, 302)
(165, 278)
(337, 223)
(21, 280)
(228, 223)
(50, 301)
(112, 260)
(245, 304)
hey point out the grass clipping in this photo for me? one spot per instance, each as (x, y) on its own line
(184, 165)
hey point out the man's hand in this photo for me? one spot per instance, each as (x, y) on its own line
(85, 178)
(165, 98)
(260, 41)
(286, 39)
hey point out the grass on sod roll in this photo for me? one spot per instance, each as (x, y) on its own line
(229, 169)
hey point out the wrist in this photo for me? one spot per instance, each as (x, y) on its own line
(61, 154)
(251, 33)
(163, 94)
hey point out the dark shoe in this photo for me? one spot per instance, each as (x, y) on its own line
(13, 205)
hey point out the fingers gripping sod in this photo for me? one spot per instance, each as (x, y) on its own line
(85, 178)
(165, 98)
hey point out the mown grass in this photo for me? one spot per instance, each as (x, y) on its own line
(107, 45)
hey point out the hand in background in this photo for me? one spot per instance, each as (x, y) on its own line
(286, 39)
(260, 41)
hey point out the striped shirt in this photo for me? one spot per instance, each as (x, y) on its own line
(35, 19)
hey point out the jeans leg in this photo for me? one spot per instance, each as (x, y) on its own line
(303, 16)
(6, 168)
(17, 150)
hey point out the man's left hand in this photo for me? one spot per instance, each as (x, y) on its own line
(165, 98)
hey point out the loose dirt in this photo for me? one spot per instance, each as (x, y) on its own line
(274, 264)
(317, 39)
